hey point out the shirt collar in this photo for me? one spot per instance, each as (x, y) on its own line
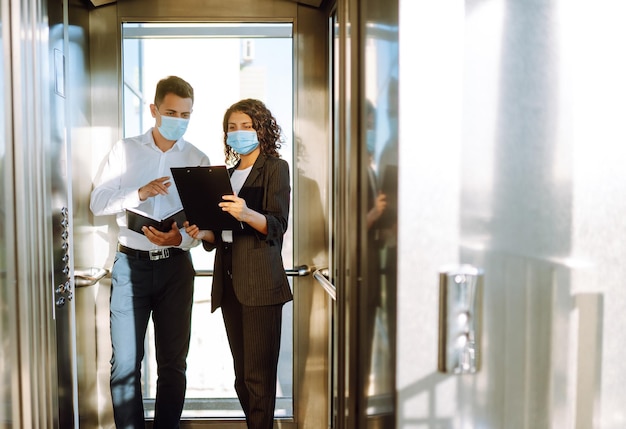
(149, 139)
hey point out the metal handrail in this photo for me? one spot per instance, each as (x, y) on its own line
(298, 271)
(321, 275)
(90, 276)
(84, 277)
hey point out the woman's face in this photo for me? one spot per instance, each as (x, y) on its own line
(239, 121)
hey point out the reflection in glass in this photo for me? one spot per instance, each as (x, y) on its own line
(380, 146)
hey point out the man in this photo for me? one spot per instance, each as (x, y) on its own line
(153, 273)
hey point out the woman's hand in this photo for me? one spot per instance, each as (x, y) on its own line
(199, 234)
(236, 206)
(238, 209)
(380, 204)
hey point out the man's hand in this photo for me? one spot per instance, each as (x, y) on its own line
(170, 238)
(156, 187)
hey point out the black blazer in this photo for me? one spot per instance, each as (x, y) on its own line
(258, 273)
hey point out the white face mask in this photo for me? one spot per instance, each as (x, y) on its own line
(243, 142)
(172, 128)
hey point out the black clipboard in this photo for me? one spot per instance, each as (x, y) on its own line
(200, 190)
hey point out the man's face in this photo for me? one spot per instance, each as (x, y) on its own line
(173, 106)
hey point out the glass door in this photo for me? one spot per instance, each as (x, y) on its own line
(224, 62)
(37, 365)
(364, 84)
(379, 170)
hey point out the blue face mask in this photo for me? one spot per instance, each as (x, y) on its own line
(371, 141)
(243, 142)
(173, 128)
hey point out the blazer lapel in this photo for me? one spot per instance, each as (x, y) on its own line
(254, 174)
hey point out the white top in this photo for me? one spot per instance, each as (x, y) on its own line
(132, 163)
(237, 179)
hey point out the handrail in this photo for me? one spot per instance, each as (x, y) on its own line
(321, 275)
(88, 276)
(298, 271)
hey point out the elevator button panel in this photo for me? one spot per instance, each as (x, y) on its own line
(64, 291)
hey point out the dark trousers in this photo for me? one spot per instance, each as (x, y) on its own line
(254, 339)
(164, 290)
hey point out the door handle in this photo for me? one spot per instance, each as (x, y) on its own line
(321, 275)
(299, 271)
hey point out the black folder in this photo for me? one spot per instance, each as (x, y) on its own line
(200, 190)
(137, 219)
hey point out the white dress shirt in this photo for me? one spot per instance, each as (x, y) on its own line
(132, 163)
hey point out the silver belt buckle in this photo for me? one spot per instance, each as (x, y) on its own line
(157, 254)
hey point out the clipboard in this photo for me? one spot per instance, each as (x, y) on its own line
(200, 190)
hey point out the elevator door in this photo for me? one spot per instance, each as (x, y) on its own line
(39, 389)
(364, 67)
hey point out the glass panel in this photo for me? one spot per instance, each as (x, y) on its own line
(224, 63)
(133, 94)
(380, 148)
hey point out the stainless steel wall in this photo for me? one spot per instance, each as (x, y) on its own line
(510, 147)
(8, 307)
(311, 214)
(90, 301)
(35, 215)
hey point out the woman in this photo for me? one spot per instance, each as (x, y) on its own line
(249, 281)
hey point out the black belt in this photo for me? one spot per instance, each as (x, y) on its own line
(150, 255)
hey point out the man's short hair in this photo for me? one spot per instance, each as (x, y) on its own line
(174, 85)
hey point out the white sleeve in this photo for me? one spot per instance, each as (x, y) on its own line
(108, 197)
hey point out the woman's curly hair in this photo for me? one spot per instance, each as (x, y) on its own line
(267, 130)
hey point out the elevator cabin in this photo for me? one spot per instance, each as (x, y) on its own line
(505, 191)
(78, 76)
